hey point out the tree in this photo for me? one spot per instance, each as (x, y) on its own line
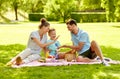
(59, 8)
(112, 8)
(35, 6)
(117, 10)
(78, 2)
(3, 9)
(15, 5)
(90, 4)
(2, 6)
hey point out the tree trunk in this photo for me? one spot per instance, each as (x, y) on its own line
(16, 15)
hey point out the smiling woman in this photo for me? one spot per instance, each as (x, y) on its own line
(36, 43)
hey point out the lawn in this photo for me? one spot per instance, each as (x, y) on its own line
(13, 39)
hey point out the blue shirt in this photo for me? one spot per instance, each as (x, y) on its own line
(53, 47)
(81, 36)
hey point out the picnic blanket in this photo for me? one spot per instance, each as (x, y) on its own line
(62, 62)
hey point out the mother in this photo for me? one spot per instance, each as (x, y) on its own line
(37, 41)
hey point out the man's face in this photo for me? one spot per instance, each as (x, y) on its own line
(70, 27)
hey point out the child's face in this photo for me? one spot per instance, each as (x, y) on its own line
(52, 34)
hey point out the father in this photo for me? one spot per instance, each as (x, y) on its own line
(82, 45)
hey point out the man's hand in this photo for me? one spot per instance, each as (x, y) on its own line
(66, 46)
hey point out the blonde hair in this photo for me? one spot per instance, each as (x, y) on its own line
(51, 30)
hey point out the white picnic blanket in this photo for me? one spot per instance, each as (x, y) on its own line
(50, 62)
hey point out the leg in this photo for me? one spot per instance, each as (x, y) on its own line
(84, 59)
(23, 55)
(96, 48)
(32, 57)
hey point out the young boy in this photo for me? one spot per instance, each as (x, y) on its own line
(53, 48)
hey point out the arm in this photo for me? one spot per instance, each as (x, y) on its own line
(79, 47)
(43, 45)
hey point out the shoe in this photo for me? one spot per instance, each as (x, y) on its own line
(105, 63)
(18, 61)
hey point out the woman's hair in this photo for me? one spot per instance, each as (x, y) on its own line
(71, 22)
(51, 30)
(43, 23)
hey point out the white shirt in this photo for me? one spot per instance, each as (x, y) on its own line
(33, 45)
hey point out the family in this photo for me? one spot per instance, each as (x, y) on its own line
(86, 50)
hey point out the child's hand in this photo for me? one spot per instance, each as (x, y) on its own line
(56, 37)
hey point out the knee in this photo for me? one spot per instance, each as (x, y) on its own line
(93, 43)
(28, 49)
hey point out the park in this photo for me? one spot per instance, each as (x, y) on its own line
(102, 26)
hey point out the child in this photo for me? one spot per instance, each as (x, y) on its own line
(53, 48)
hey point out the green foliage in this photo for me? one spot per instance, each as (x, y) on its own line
(117, 11)
(90, 4)
(112, 9)
(59, 9)
(3, 6)
(35, 16)
(15, 5)
(89, 17)
(34, 6)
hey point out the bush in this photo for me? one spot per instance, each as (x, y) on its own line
(52, 17)
(89, 17)
(35, 16)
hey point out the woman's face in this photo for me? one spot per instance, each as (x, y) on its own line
(45, 29)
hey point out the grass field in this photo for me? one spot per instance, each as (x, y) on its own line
(13, 39)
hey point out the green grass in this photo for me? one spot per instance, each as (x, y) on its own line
(13, 39)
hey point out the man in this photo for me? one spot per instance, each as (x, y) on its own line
(87, 51)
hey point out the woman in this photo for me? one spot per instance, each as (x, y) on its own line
(37, 42)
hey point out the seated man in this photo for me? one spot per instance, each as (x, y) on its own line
(87, 51)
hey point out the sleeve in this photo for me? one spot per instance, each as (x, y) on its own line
(83, 37)
(46, 38)
(57, 44)
(33, 34)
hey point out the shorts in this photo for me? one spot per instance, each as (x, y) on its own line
(89, 54)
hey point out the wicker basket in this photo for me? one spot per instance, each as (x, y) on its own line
(69, 57)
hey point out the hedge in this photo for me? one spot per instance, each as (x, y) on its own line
(35, 16)
(89, 17)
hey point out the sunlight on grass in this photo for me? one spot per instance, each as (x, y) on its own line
(104, 33)
(102, 75)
